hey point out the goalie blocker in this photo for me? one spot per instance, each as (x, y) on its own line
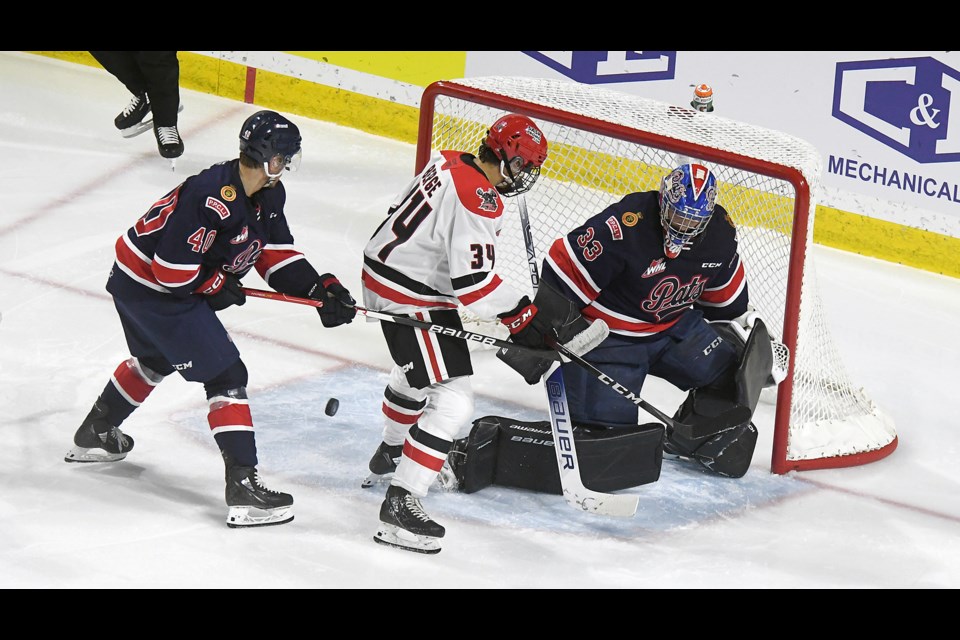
(512, 453)
(572, 330)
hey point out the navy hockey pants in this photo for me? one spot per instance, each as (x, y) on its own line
(689, 355)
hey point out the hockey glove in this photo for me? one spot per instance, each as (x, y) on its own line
(528, 365)
(526, 327)
(338, 304)
(222, 290)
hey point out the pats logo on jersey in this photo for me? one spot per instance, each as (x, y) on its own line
(228, 193)
(488, 199)
(631, 219)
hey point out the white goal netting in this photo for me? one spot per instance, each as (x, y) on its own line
(604, 144)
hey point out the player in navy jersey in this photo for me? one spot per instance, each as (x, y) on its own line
(662, 269)
(175, 268)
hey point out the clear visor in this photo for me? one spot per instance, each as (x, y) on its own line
(682, 225)
(278, 163)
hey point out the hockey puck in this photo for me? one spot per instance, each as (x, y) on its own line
(332, 405)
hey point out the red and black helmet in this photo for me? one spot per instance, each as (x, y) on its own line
(521, 147)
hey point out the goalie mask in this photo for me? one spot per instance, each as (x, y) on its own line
(273, 141)
(688, 195)
(521, 147)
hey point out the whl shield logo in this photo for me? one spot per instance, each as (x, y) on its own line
(905, 104)
(599, 67)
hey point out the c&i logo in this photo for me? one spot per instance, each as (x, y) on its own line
(598, 67)
(905, 104)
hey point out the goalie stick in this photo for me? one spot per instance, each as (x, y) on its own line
(571, 482)
(411, 322)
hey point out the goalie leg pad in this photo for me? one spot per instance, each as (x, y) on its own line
(473, 460)
(727, 452)
(755, 366)
(513, 453)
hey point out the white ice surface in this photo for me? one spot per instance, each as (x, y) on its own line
(71, 185)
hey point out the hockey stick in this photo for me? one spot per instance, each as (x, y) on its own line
(726, 420)
(528, 242)
(571, 482)
(411, 322)
(577, 495)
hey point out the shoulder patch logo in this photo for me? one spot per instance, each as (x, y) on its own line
(631, 219)
(615, 229)
(488, 199)
(228, 193)
(219, 207)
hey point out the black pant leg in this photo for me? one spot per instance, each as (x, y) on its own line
(161, 70)
(124, 67)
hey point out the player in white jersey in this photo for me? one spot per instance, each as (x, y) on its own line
(436, 250)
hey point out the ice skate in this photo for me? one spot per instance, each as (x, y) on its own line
(97, 440)
(405, 525)
(169, 144)
(250, 503)
(130, 119)
(383, 463)
(135, 128)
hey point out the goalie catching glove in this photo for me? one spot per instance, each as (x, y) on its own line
(741, 327)
(338, 304)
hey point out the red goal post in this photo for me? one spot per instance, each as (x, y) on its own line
(604, 144)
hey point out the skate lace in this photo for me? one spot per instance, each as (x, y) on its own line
(168, 135)
(114, 434)
(260, 485)
(413, 506)
(130, 108)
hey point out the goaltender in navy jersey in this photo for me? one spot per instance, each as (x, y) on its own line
(453, 205)
(205, 224)
(614, 264)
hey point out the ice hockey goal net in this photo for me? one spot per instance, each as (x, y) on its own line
(605, 144)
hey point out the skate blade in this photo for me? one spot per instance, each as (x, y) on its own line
(80, 454)
(240, 517)
(374, 479)
(394, 536)
(141, 127)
